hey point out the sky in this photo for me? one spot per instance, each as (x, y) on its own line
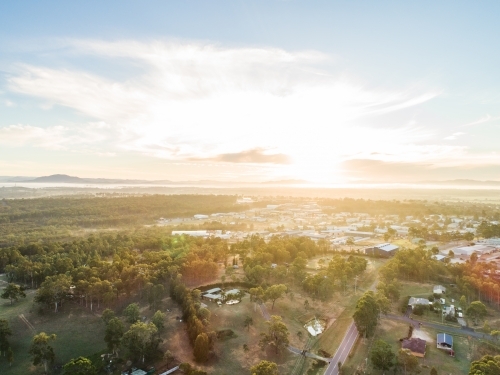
(265, 90)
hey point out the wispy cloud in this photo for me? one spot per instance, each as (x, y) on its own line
(454, 136)
(482, 120)
(258, 156)
(189, 101)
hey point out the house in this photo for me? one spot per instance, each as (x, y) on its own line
(233, 292)
(212, 291)
(414, 301)
(415, 345)
(439, 289)
(439, 257)
(444, 341)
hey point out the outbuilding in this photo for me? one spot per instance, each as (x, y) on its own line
(444, 341)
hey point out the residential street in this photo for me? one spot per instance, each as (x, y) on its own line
(437, 326)
(343, 350)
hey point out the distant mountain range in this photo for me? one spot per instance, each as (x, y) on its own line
(65, 179)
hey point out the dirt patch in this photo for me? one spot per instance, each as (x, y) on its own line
(421, 334)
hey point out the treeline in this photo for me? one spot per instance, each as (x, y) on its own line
(488, 230)
(105, 270)
(284, 259)
(416, 208)
(52, 218)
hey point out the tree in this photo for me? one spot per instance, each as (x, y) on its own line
(5, 331)
(264, 368)
(159, 320)
(366, 314)
(113, 334)
(277, 335)
(10, 356)
(41, 352)
(487, 365)
(140, 340)
(275, 292)
(132, 312)
(248, 322)
(79, 366)
(350, 242)
(13, 292)
(476, 311)
(407, 361)
(168, 357)
(433, 371)
(463, 303)
(54, 290)
(382, 355)
(201, 347)
(107, 315)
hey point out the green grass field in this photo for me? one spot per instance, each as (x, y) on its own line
(79, 333)
(391, 332)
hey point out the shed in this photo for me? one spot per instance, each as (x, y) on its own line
(444, 341)
(439, 289)
(212, 291)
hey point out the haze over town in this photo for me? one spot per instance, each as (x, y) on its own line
(255, 187)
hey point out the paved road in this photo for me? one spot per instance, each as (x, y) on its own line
(343, 350)
(440, 327)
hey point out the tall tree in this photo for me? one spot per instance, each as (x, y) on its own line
(5, 332)
(40, 350)
(275, 292)
(476, 311)
(201, 347)
(132, 312)
(113, 334)
(264, 368)
(79, 366)
(140, 340)
(366, 314)
(382, 355)
(13, 292)
(248, 322)
(107, 315)
(159, 321)
(487, 365)
(277, 335)
(54, 290)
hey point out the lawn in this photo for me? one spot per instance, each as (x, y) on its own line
(391, 332)
(79, 333)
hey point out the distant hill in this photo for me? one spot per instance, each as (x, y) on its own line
(65, 179)
(15, 178)
(463, 182)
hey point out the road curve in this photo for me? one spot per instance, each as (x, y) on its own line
(343, 350)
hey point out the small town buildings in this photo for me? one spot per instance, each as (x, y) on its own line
(414, 301)
(439, 257)
(439, 289)
(384, 250)
(415, 345)
(444, 341)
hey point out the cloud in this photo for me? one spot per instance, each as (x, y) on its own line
(185, 101)
(251, 156)
(454, 136)
(482, 120)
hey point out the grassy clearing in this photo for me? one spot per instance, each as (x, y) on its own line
(391, 332)
(79, 333)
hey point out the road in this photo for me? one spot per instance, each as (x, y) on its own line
(439, 327)
(343, 350)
